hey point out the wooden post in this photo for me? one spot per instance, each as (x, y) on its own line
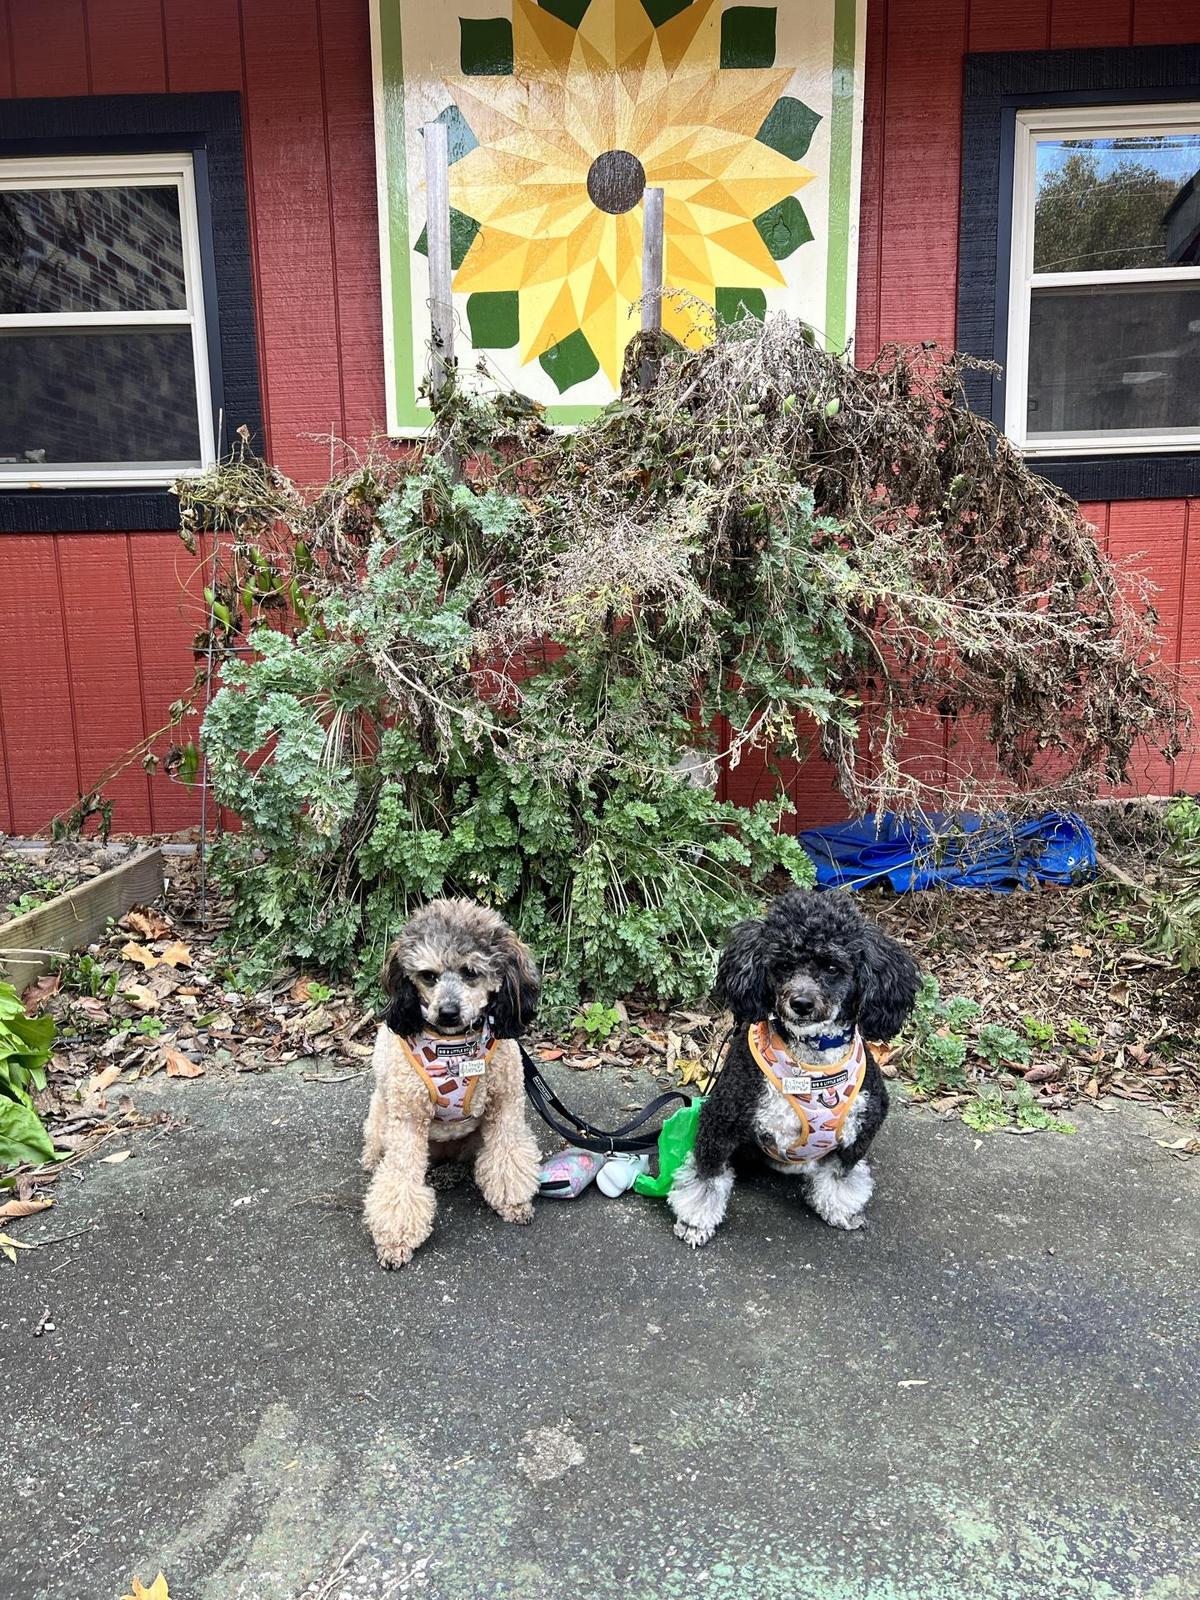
(652, 276)
(652, 260)
(437, 234)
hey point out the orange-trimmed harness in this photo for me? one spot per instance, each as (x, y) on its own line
(450, 1067)
(821, 1097)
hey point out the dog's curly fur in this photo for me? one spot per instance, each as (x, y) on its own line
(455, 964)
(810, 965)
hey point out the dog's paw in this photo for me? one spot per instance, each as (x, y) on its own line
(520, 1214)
(392, 1256)
(848, 1223)
(693, 1236)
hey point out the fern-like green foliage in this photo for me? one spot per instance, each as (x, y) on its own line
(413, 738)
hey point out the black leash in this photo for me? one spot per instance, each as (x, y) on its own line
(575, 1130)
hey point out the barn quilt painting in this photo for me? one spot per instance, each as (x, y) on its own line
(559, 115)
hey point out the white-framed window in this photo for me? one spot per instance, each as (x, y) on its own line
(1104, 293)
(104, 366)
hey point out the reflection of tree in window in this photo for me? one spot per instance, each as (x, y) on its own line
(1088, 223)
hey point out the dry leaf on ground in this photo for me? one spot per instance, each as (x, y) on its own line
(22, 1208)
(144, 999)
(102, 1080)
(178, 1065)
(177, 955)
(157, 1590)
(116, 1157)
(9, 1246)
(139, 953)
(38, 992)
(149, 923)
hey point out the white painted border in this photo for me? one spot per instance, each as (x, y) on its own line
(1070, 123)
(107, 172)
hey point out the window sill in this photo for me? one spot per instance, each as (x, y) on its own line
(90, 510)
(1137, 476)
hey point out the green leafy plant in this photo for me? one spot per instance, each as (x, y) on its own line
(598, 1022)
(1040, 1034)
(26, 1044)
(993, 1109)
(523, 679)
(1080, 1034)
(935, 1042)
(84, 975)
(1001, 1046)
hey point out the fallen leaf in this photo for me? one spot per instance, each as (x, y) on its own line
(156, 1591)
(691, 1070)
(144, 999)
(177, 955)
(138, 953)
(95, 1010)
(150, 924)
(10, 1246)
(102, 1080)
(178, 1065)
(35, 997)
(22, 1208)
(1081, 950)
(1119, 995)
(116, 1158)
(1042, 1074)
(552, 1055)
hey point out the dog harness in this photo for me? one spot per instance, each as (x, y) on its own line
(821, 1097)
(451, 1068)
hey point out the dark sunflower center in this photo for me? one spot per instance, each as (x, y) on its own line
(615, 181)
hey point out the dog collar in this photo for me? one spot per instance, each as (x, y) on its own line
(838, 1039)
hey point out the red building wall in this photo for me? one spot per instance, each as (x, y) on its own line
(95, 628)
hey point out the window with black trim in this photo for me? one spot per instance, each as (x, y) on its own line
(126, 321)
(1079, 262)
(101, 323)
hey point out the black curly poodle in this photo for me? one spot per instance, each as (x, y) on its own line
(808, 984)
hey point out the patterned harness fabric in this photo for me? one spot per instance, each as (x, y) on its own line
(450, 1067)
(821, 1097)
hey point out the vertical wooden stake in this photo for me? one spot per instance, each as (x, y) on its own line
(437, 234)
(652, 276)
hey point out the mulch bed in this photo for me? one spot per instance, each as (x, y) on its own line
(155, 997)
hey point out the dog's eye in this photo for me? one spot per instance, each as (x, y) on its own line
(470, 974)
(426, 976)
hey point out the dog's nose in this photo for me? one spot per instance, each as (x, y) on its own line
(801, 1006)
(448, 1014)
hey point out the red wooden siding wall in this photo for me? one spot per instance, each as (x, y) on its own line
(95, 628)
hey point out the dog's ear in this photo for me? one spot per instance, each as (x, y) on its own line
(888, 986)
(403, 1012)
(516, 999)
(742, 973)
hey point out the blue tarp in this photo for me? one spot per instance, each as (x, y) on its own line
(964, 852)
